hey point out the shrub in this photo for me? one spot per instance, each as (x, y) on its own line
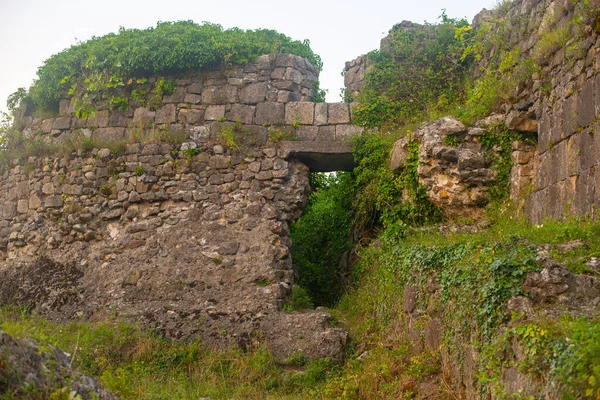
(110, 61)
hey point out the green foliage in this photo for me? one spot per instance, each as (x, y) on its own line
(135, 364)
(497, 141)
(299, 300)
(170, 48)
(562, 353)
(420, 72)
(384, 197)
(322, 235)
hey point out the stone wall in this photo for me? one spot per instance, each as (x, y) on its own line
(274, 93)
(188, 245)
(561, 103)
(189, 238)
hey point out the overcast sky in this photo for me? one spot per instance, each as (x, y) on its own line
(339, 31)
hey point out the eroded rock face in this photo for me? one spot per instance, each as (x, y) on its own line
(24, 364)
(191, 247)
(455, 176)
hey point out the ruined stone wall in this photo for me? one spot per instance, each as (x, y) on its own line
(189, 238)
(271, 94)
(560, 102)
(190, 246)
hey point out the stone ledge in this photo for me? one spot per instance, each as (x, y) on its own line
(321, 156)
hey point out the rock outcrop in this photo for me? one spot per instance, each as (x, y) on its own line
(26, 367)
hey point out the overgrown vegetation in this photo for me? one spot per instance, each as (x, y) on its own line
(139, 365)
(115, 67)
(421, 72)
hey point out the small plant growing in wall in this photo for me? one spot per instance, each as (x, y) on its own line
(139, 170)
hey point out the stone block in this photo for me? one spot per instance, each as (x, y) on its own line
(117, 119)
(285, 85)
(62, 123)
(586, 113)
(191, 116)
(66, 107)
(307, 133)
(585, 191)
(35, 202)
(321, 113)
(347, 131)
(292, 74)
(326, 133)
(193, 99)
(242, 113)
(195, 88)
(143, 116)
(47, 125)
(166, 114)
(544, 127)
(110, 134)
(178, 96)
(270, 113)
(569, 117)
(253, 93)
(22, 206)
(214, 113)
(338, 113)
(278, 73)
(232, 94)
(284, 96)
(53, 202)
(399, 154)
(299, 113)
(99, 120)
(573, 157)
(589, 156)
(214, 95)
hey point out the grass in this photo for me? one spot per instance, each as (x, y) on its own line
(476, 273)
(136, 364)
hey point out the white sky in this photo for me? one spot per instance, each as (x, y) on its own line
(33, 30)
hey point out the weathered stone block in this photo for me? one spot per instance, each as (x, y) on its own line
(47, 125)
(53, 202)
(110, 134)
(321, 113)
(307, 133)
(117, 119)
(242, 113)
(214, 95)
(339, 113)
(66, 107)
(143, 116)
(253, 93)
(22, 206)
(195, 88)
(399, 154)
(62, 123)
(326, 133)
(569, 117)
(214, 113)
(347, 131)
(166, 114)
(191, 116)
(284, 96)
(299, 113)
(178, 96)
(193, 99)
(99, 120)
(586, 113)
(270, 113)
